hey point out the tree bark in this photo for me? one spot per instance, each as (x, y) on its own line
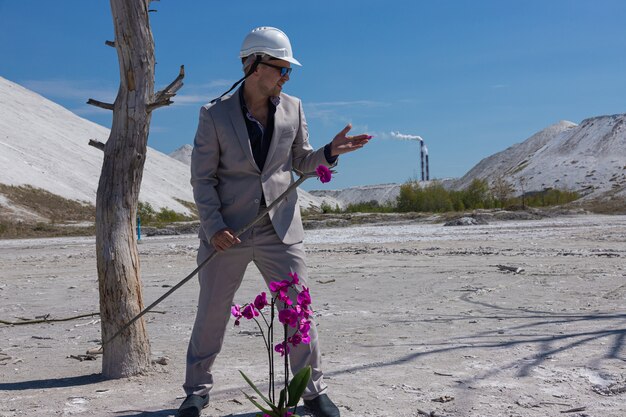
(118, 192)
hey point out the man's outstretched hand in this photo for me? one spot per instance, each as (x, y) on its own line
(344, 144)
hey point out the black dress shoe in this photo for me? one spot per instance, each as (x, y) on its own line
(322, 406)
(193, 405)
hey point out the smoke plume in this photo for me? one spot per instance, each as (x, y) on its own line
(402, 136)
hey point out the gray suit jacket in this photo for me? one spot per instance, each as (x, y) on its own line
(228, 184)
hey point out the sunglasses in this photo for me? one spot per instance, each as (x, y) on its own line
(283, 70)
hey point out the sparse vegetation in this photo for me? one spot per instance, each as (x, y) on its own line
(19, 230)
(63, 214)
(188, 204)
(151, 217)
(60, 212)
(326, 208)
(372, 206)
(51, 206)
(550, 197)
(520, 167)
(434, 198)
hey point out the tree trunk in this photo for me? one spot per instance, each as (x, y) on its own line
(118, 193)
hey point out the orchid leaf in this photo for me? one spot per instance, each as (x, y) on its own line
(298, 385)
(281, 401)
(268, 402)
(260, 407)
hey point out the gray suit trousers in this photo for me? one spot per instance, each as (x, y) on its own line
(220, 279)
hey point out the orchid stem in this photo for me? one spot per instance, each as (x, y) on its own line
(271, 353)
(262, 333)
(286, 365)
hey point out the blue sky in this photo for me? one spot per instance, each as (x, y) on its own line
(470, 77)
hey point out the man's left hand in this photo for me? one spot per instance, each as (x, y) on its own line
(343, 144)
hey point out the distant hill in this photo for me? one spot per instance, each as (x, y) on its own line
(183, 154)
(46, 146)
(589, 158)
(381, 193)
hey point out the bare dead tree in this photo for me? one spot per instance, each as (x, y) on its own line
(502, 190)
(522, 184)
(119, 274)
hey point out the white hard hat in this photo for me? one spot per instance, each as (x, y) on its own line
(269, 41)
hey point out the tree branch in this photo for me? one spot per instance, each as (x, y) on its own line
(162, 103)
(106, 106)
(110, 43)
(46, 319)
(162, 98)
(96, 144)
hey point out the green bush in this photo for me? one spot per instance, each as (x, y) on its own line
(146, 213)
(545, 198)
(371, 206)
(150, 217)
(478, 195)
(431, 198)
(326, 208)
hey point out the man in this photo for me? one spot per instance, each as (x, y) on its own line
(245, 148)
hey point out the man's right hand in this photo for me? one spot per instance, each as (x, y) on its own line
(224, 239)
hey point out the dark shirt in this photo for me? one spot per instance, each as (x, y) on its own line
(260, 136)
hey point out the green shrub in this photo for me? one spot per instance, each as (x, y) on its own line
(146, 213)
(371, 206)
(548, 197)
(326, 208)
(431, 198)
(150, 217)
(478, 195)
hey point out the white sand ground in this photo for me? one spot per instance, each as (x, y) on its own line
(407, 314)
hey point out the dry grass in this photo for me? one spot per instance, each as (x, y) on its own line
(51, 206)
(610, 206)
(60, 212)
(21, 230)
(191, 206)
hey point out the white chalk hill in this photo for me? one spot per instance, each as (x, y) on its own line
(183, 154)
(589, 158)
(46, 146)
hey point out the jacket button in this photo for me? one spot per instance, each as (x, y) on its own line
(256, 200)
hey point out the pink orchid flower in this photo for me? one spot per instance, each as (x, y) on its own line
(304, 298)
(236, 312)
(295, 340)
(260, 301)
(281, 287)
(288, 316)
(294, 278)
(249, 312)
(282, 348)
(323, 173)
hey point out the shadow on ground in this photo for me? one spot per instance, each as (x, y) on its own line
(73, 381)
(538, 330)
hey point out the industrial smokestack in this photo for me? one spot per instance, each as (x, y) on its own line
(423, 152)
(427, 171)
(422, 155)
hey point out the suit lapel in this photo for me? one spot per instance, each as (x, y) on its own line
(279, 115)
(239, 125)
